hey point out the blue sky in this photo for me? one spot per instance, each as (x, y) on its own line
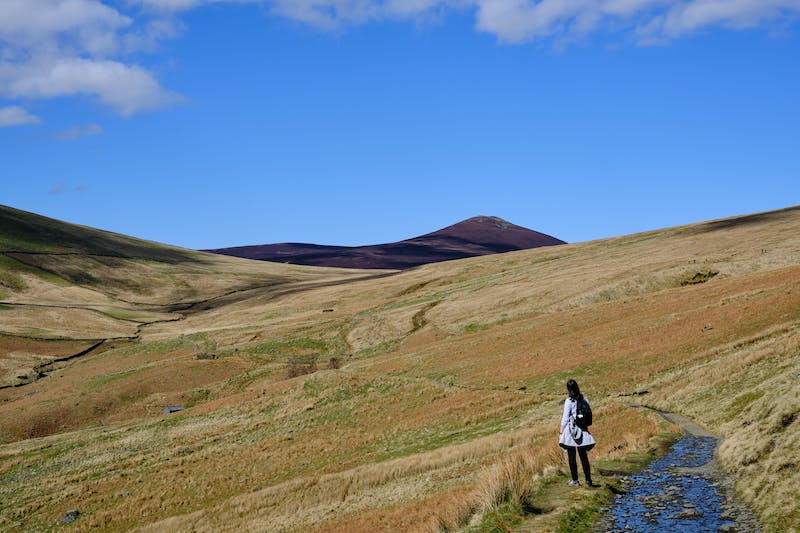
(208, 124)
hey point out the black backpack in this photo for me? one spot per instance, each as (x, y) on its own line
(583, 414)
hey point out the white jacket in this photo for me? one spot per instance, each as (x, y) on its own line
(573, 435)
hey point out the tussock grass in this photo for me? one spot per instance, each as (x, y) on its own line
(749, 393)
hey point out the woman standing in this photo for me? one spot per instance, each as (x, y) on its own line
(574, 439)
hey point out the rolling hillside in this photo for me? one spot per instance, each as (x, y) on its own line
(473, 237)
(425, 400)
(65, 287)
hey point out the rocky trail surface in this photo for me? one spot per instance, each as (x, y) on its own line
(683, 491)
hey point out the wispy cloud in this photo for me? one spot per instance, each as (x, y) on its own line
(522, 21)
(16, 116)
(77, 132)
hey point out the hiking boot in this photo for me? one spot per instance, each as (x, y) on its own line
(590, 484)
(574, 483)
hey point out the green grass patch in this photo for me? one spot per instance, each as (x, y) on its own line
(634, 461)
(289, 346)
(105, 380)
(9, 276)
(549, 493)
(10, 269)
(502, 520)
(313, 387)
(382, 348)
(33, 331)
(189, 342)
(196, 396)
(398, 304)
(37, 463)
(129, 315)
(583, 517)
(446, 433)
(741, 402)
(475, 327)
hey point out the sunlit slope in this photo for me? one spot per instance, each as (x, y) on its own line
(470, 295)
(447, 373)
(61, 283)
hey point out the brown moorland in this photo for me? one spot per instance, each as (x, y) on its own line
(432, 395)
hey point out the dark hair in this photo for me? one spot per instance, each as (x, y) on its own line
(573, 389)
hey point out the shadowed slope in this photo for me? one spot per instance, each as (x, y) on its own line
(474, 237)
(29, 233)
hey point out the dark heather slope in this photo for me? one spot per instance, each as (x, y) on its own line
(472, 237)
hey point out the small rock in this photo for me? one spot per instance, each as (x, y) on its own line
(688, 514)
(207, 356)
(70, 517)
(727, 528)
(185, 450)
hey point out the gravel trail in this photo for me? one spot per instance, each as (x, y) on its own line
(684, 491)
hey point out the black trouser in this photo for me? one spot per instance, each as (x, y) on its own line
(573, 464)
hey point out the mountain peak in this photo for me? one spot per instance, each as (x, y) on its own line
(489, 220)
(480, 235)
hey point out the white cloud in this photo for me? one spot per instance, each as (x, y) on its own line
(685, 18)
(335, 13)
(57, 48)
(16, 116)
(126, 88)
(175, 6)
(521, 21)
(84, 25)
(77, 132)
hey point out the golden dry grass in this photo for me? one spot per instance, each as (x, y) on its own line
(447, 401)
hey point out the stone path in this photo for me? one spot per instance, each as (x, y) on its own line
(683, 491)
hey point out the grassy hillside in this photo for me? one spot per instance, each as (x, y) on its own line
(69, 286)
(432, 396)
